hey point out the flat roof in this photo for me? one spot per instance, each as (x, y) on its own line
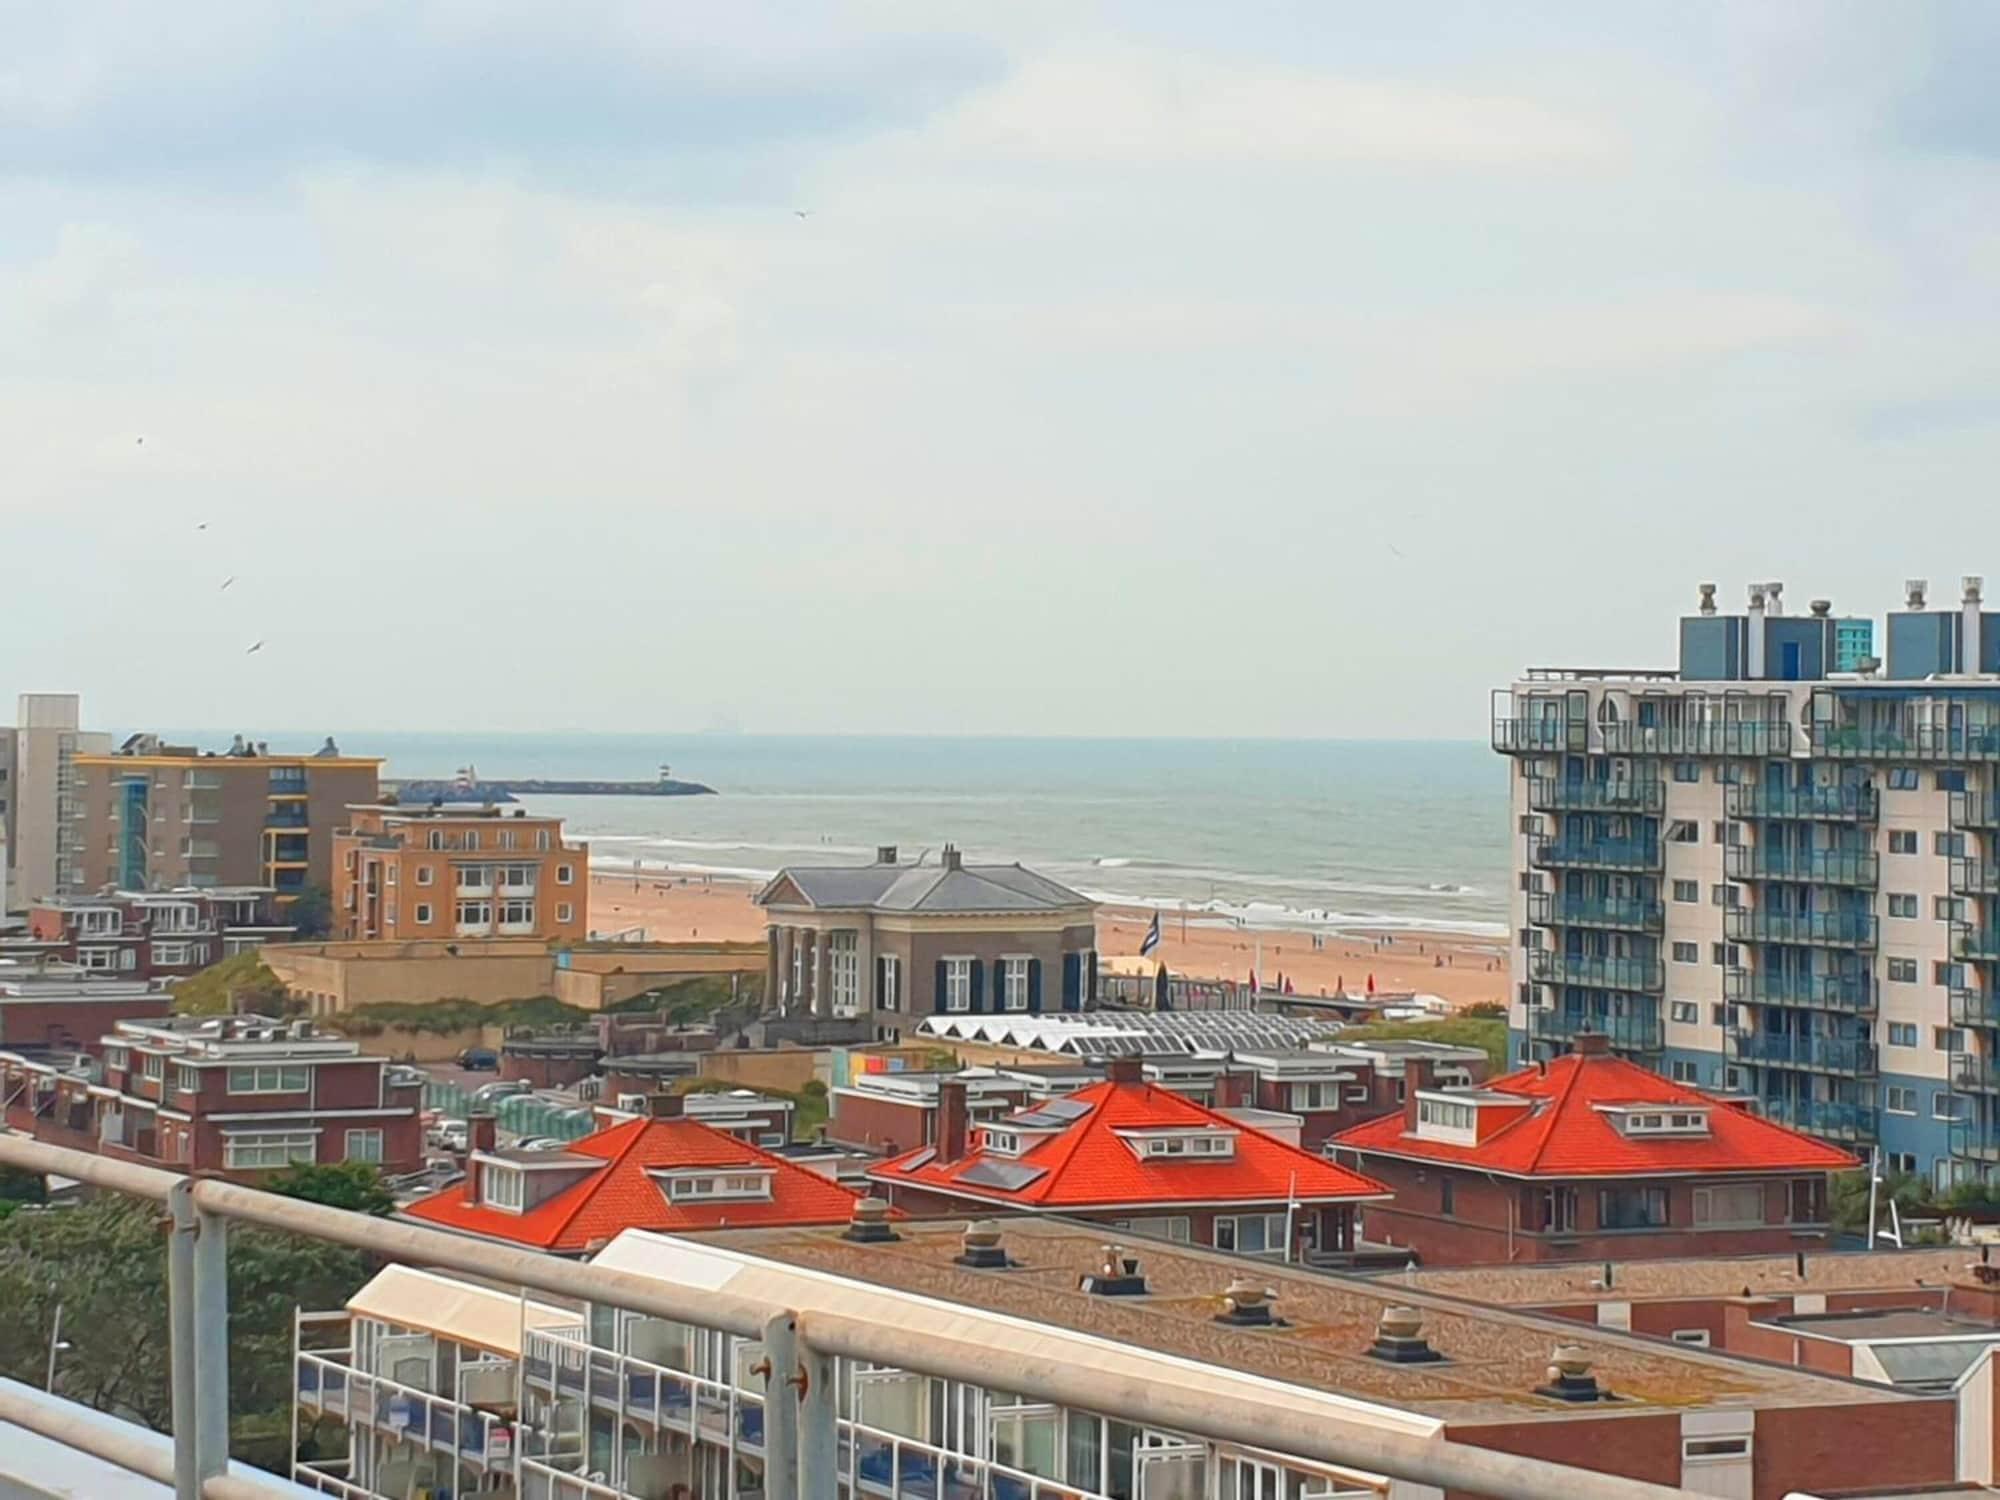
(1751, 1275)
(1494, 1358)
(1888, 1323)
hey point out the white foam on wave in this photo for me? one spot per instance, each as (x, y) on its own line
(1271, 916)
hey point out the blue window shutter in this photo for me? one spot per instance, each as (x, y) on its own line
(937, 995)
(1034, 986)
(978, 985)
(1072, 980)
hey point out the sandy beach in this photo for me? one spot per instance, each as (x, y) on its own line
(1461, 968)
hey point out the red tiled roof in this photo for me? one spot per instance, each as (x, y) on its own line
(1089, 1165)
(1568, 1133)
(620, 1195)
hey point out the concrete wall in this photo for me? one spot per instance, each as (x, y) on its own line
(593, 978)
(786, 1068)
(338, 976)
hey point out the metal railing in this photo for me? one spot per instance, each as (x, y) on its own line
(1850, 994)
(1807, 867)
(1975, 811)
(1883, 742)
(1548, 909)
(1835, 929)
(1741, 737)
(1637, 975)
(1637, 795)
(1830, 1119)
(1595, 854)
(1639, 1034)
(800, 1441)
(1811, 1054)
(1759, 800)
(1975, 877)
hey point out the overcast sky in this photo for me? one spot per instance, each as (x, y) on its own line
(1171, 368)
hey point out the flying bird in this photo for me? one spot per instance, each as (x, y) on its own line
(254, 649)
(142, 442)
(226, 582)
(802, 213)
(201, 526)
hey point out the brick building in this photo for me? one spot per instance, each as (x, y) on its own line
(890, 1113)
(1588, 1157)
(1335, 1085)
(661, 1171)
(1129, 1153)
(452, 871)
(884, 945)
(57, 1006)
(151, 934)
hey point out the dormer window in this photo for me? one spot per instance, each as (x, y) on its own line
(1182, 1145)
(1447, 1113)
(503, 1187)
(715, 1186)
(1658, 1120)
(1003, 1142)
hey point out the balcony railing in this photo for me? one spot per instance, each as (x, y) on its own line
(1976, 811)
(1549, 909)
(1842, 804)
(1743, 738)
(1638, 975)
(1637, 1034)
(1972, 1073)
(1808, 867)
(1829, 1119)
(409, 1414)
(1811, 1054)
(1977, 942)
(1848, 994)
(1975, 877)
(1973, 1006)
(1928, 743)
(1519, 736)
(1818, 929)
(1641, 795)
(1595, 854)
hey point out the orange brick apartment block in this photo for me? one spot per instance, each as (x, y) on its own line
(457, 871)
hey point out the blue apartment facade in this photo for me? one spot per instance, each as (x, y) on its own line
(1774, 870)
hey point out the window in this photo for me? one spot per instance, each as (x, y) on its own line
(425, 874)
(1902, 841)
(1898, 1099)
(958, 984)
(1726, 955)
(1173, 1227)
(541, 838)
(1687, 953)
(364, 1145)
(1714, 1447)
(1221, 1143)
(1948, 781)
(1902, 779)
(186, 1079)
(472, 838)
(1446, 1112)
(517, 911)
(1684, 831)
(473, 915)
(1721, 832)
(1632, 1208)
(1696, 1338)
(1251, 1234)
(712, 1186)
(1902, 971)
(1948, 975)
(250, 1150)
(1686, 1012)
(1903, 904)
(1014, 983)
(1736, 1203)
(270, 1079)
(889, 993)
(1684, 1071)
(475, 877)
(392, 874)
(1724, 895)
(423, 913)
(1947, 1106)
(1305, 1096)
(1687, 890)
(436, 839)
(517, 879)
(564, 911)
(1949, 1038)
(843, 950)
(1902, 1033)
(172, 955)
(1904, 1162)
(503, 1187)
(1732, 1080)
(1950, 844)
(1687, 771)
(1445, 1194)
(565, 874)
(155, 1066)
(1948, 908)
(1559, 1210)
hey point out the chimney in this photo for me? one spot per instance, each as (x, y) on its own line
(951, 1119)
(1968, 630)
(1753, 664)
(1707, 598)
(1418, 1073)
(482, 1132)
(1592, 1044)
(480, 1135)
(951, 859)
(1126, 1070)
(885, 854)
(665, 1106)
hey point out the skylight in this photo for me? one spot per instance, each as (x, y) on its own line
(715, 1186)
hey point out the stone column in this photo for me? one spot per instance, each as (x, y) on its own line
(864, 962)
(782, 996)
(771, 964)
(822, 987)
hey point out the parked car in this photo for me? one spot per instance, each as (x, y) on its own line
(479, 1060)
(449, 1135)
(489, 1094)
(539, 1143)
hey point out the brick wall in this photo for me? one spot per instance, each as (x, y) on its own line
(1845, 1449)
(1637, 1447)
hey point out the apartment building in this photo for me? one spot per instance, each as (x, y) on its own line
(153, 816)
(619, 1406)
(49, 1005)
(885, 945)
(38, 797)
(1772, 869)
(150, 934)
(450, 870)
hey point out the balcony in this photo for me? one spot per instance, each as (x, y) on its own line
(1809, 1054)
(1637, 975)
(1574, 794)
(1840, 804)
(1859, 867)
(1828, 1119)
(1925, 743)
(1975, 877)
(282, 815)
(1977, 812)
(1974, 1074)
(1546, 909)
(413, 1416)
(1526, 736)
(1972, 1006)
(1752, 738)
(1848, 994)
(1816, 929)
(1635, 1034)
(1595, 854)
(1979, 943)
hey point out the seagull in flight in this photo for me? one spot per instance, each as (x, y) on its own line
(254, 649)
(142, 442)
(802, 213)
(227, 581)
(201, 526)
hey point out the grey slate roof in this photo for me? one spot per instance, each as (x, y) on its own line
(928, 888)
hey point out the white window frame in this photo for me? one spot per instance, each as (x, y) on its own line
(957, 985)
(1705, 1205)
(1014, 983)
(423, 913)
(363, 1145)
(564, 911)
(269, 1078)
(843, 971)
(1274, 1228)
(565, 874)
(503, 1187)
(891, 996)
(425, 874)
(248, 1150)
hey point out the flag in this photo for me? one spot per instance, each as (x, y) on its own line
(1152, 938)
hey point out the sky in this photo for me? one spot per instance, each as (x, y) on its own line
(919, 366)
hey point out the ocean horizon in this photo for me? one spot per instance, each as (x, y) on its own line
(1280, 833)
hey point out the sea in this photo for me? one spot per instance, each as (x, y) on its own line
(1332, 834)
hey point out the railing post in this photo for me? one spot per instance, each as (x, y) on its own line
(781, 1408)
(211, 1343)
(819, 1445)
(181, 1337)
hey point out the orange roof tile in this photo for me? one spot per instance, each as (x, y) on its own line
(1089, 1164)
(621, 1194)
(1569, 1134)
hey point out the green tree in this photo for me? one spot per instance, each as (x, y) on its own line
(311, 911)
(353, 1185)
(1910, 1192)
(1485, 1010)
(240, 983)
(104, 1263)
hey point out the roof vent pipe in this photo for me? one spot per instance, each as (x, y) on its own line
(1753, 665)
(1117, 1275)
(1247, 1304)
(981, 1247)
(1913, 592)
(1569, 1377)
(1969, 653)
(870, 1222)
(1399, 1338)
(1822, 607)
(1707, 598)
